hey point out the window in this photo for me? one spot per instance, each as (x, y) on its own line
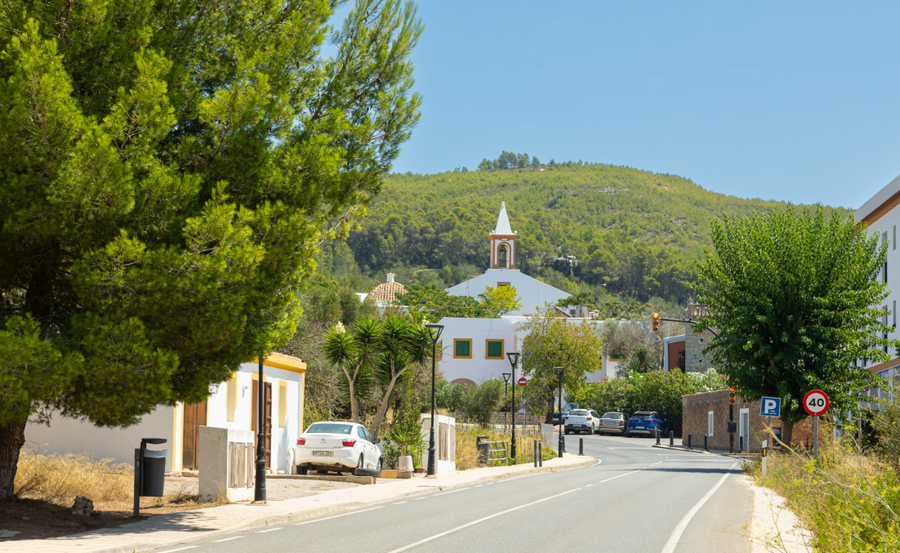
(709, 424)
(501, 284)
(884, 241)
(462, 348)
(493, 349)
(894, 314)
(231, 398)
(282, 403)
(616, 357)
(884, 321)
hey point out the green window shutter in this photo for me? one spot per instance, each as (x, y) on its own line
(463, 348)
(495, 348)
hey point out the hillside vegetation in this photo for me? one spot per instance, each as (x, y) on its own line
(582, 227)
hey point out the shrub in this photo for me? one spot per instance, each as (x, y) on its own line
(59, 478)
(479, 403)
(886, 424)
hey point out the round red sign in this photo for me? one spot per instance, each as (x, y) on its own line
(815, 402)
(523, 381)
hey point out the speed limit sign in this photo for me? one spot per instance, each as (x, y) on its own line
(815, 402)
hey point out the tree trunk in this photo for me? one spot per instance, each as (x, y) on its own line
(382, 410)
(787, 432)
(12, 438)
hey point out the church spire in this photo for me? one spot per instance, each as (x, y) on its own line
(503, 242)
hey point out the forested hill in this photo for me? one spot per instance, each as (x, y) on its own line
(628, 231)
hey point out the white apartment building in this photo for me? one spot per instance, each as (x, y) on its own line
(882, 215)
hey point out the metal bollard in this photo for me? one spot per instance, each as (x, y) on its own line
(657, 435)
(541, 454)
(706, 442)
(689, 442)
(671, 437)
(741, 443)
(581, 446)
(534, 451)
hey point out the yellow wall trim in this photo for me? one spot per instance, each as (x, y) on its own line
(281, 361)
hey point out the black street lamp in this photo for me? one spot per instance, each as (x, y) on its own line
(562, 444)
(513, 361)
(506, 390)
(259, 491)
(434, 332)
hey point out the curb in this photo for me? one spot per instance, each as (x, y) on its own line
(316, 512)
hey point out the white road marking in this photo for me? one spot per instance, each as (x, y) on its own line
(619, 476)
(179, 549)
(588, 485)
(400, 503)
(229, 539)
(679, 530)
(269, 530)
(420, 498)
(517, 477)
(338, 516)
(452, 491)
(474, 522)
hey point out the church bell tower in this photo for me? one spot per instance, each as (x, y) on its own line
(503, 242)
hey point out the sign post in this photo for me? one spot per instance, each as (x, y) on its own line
(770, 407)
(815, 402)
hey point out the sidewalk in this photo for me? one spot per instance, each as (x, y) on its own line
(185, 526)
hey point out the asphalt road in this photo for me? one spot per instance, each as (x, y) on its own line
(636, 499)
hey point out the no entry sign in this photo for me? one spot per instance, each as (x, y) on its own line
(815, 402)
(523, 381)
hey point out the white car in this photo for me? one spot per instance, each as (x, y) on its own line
(338, 446)
(582, 420)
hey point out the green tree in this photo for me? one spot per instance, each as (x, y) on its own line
(551, 342)
(353, 351)
(794, 296)
(436, 303)
(169, 171)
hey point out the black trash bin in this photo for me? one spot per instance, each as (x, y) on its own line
(483, 448)
(154, 473)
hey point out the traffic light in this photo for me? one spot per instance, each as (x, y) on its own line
(656, 322)
(731, 396)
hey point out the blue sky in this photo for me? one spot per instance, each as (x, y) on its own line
(794, 101)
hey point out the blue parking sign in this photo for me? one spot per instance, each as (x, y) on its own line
(770, 407)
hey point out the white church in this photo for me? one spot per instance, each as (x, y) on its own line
(474, 350)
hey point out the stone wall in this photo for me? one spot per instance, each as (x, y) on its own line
(695, 359)
(695, 419)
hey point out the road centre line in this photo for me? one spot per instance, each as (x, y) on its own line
(400, 503)
(229, 539)
(338, 516)
(474, 522)
(679, 530)
(270, 530)
(179, 549)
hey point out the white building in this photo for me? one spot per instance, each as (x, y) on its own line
(882, 215)
(474, 350)
(231, 404)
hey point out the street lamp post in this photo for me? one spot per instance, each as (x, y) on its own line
(513, 361)
(506, 389)
(259, 491)
(434, 332)
(562, 444)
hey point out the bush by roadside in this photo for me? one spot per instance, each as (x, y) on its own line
(467, 454)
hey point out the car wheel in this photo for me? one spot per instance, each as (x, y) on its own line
(378, 470)
(567, 431)
(359, 466)
(302, 471)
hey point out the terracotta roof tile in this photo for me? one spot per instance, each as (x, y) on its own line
(387, 291)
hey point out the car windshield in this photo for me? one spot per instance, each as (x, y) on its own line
(329, 428)
(640, 417)
(579, 413)
(612, 415)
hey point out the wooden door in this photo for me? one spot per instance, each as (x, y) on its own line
(194, 418)
(267, 417)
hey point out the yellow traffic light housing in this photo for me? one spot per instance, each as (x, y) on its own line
(656, 322)
(731, 396)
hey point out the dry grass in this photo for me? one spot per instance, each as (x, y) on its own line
(58, 479)
(467, 454)
(850, 501)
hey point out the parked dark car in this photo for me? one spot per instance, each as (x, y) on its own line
(645, 423)
(565, 412)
